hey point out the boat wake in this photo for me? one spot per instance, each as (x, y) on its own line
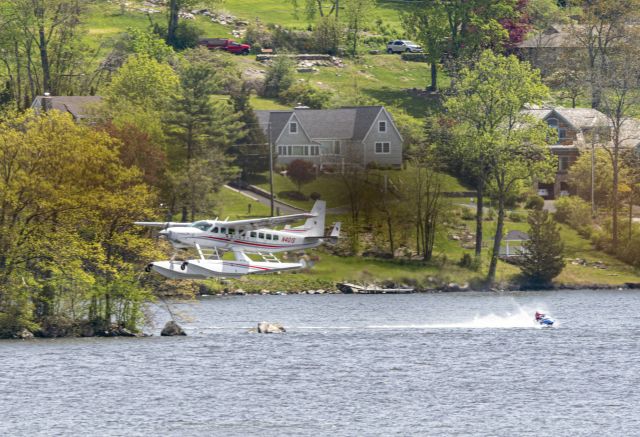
(521, 318)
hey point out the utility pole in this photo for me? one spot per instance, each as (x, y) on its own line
(594, 138)
(270, 165)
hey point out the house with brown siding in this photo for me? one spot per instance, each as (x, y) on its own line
(578, 130)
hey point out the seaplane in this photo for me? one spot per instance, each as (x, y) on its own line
(211, 238)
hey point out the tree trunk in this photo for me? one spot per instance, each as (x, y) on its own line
(174, 10)
(630, 213)
(493, 265)
(434, 77)
(479, 218)
(614, 212)
(44, 59)
(390, 230)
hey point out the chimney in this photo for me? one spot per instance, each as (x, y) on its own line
(46, 102)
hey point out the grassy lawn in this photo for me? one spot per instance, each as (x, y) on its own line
(259, 103)
(281, 12)
(331, 187)
(235, 206)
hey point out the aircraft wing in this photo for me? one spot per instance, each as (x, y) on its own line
(161, 224)
(269, 221)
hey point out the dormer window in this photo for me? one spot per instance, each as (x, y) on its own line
(382, 126)
(293, 127)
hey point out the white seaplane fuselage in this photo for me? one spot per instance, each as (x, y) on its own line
(211, 234)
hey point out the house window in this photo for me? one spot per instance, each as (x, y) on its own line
(382, 126)
(336, 147)
(383, 148)
(297, 150)
(563, 163)
(562, 134)
(282, 150)
(315, 150)
(553, 123)
(293, 127)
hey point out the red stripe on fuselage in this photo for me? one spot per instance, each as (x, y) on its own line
(225, 240)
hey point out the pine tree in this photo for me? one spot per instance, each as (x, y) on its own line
(543, 259)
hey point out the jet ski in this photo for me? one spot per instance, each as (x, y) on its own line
(544, 320)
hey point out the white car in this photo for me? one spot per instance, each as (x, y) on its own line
(543, 192)
(403, 45)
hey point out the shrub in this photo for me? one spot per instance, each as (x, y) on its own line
(415, 57)
(279, 77)
(534, 202)
(305, 94)
(517, 217)
(574, 212)
(469, 262)
(315, 196)
(468, 214)
(292, 195)
(326, 36)
(258, 36)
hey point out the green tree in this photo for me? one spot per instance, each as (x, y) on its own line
(251, 149)
(279, 76)
(543, 257)
(497, 137)
(428, 23)
(173, 22)
(200, 129)
(580, 177)
(357, 15)
(66, 210)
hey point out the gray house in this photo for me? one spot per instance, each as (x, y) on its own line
(79, 107)
(361, 135)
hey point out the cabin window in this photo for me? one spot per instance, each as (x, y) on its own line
(232, 231)
(215, 230)
(203, 226)
(382, 126)
(275, 238)
(293, 127)
(383, 148)
(261, 235)
(223, 230)
(563, 163)
(268, 236)
(253, 234)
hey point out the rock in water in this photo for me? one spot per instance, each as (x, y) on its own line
(270, 328)
(171, 329)
(24, 334)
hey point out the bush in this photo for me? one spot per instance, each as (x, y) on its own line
(517, 217)
(279, 77)
(469, 262)
(302, 93)
(574, 212)
(326, 36)
(315, 196)
(415, 57)
(534, 202)
(258, 36)
(292, 195)
(468, 214)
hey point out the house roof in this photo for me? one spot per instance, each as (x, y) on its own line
(555, 36)
(516, 236)
(78, 106)
(579, 118)
(344, 123)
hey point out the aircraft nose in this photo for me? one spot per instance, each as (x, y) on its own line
(164, 232)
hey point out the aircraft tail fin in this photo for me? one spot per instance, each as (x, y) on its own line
(314, 226)
(333, 236)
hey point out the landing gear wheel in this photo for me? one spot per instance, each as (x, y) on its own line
(148, 268)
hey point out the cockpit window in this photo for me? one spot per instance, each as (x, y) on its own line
(203, 226)
(215, 230)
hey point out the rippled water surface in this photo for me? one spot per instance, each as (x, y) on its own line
(422, 364)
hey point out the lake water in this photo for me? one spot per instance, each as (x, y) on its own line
(349, 365)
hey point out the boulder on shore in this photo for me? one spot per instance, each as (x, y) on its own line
(270, 328)
(23, 334)
(171, 329)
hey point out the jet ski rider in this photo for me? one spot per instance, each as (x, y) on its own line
(539, 316)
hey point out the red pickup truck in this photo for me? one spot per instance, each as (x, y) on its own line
(228, 45)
